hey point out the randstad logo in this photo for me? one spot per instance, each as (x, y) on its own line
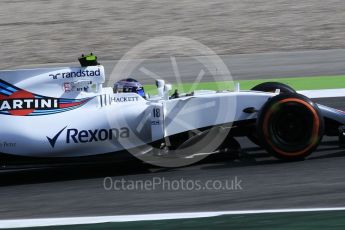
(80, 73)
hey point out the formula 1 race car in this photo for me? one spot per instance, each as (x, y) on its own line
(65, 113)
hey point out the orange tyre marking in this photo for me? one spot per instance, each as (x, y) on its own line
(315, 127)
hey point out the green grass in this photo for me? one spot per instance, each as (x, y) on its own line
(284, 221)
(298, 83)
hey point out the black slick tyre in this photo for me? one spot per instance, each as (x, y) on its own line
(290, 126)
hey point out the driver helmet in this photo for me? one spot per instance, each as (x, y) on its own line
(129, 85)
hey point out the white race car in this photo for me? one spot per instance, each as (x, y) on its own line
(65, 113)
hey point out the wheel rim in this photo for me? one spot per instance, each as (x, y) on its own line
(291, 127)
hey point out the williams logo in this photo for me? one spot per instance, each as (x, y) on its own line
(19, 102)
(86, 136)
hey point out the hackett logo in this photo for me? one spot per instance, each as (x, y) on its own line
(19, 102)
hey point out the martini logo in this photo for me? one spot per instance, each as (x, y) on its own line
(19, 102)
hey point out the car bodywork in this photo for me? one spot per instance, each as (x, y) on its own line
(66, 112)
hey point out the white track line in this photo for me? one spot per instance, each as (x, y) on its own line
(45, 222)
(323, 93)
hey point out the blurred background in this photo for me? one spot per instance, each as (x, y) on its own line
(46, 31)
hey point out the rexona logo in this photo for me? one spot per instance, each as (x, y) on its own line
(19, 102)
(86, 136)
(80, 73)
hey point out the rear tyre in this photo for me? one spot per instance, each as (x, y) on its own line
(268, 87)
(290, 126)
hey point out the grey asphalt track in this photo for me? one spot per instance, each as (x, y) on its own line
(266, 182)
(55, 31)
(241, 66)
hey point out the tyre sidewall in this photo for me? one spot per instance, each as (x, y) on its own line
(264, 133)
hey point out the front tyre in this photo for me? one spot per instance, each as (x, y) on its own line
(268, 87)
(273, 86)
(290, 126)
